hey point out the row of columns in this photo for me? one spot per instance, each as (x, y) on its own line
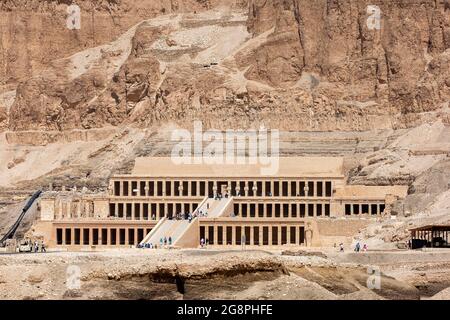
(242, 188)
(155, 211)
(121, 238)
(373, 208)
(295, 234)
(294, 209)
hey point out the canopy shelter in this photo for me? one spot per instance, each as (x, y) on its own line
(430, 236)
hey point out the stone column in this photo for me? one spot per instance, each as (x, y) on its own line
(127, 238)
(91, 236)
(288, 234)
(261, 233)
(279, 235)
(252, 236)
(233, 235)
(64, 236)
(146, 188)
(216, 236)
(72, 236)
(289, 189)
(264, 189)
(130, 189)
(121, 188)
(158, 215)
(81, 236)
(224, 235)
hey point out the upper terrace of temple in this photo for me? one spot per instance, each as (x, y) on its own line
(295, 167)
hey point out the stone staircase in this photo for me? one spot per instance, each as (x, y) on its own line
(166, 228)
(215, 208)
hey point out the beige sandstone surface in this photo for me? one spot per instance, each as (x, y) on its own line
(209, 274)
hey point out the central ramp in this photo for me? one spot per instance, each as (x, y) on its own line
(184, 234)
(216, 208)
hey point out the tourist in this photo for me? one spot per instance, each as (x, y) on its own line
(170, 240)
(357, 247)
(161, 242)
(202, 242)
(43, 247)
(341, 247)
(206, 242)
(165, 241)
(364, 247)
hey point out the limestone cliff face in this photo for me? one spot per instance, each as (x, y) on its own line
(33, 32)
(404, 65)
(288, 64)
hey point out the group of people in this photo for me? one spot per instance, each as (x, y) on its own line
(163, 243)
(180, 216)
(219, 196)
(36, 246)
(187, 216)
(357, 247)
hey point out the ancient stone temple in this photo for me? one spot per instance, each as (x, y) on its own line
(306, 202)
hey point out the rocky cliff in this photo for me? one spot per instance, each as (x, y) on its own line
(297, 65)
